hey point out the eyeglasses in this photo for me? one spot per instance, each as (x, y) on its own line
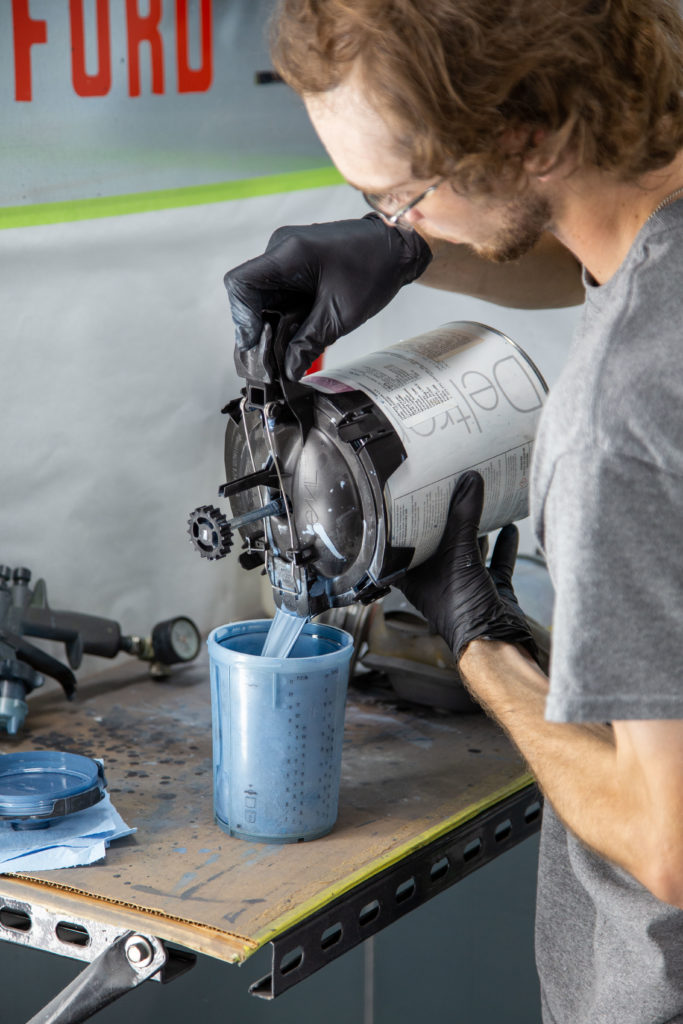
(383, 202)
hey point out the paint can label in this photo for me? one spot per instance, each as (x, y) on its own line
(460, 397)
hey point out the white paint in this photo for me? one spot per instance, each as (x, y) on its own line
(321, 532)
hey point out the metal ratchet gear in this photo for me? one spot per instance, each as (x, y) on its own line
(210, 532)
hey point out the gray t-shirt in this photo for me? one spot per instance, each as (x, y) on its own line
(607, 502)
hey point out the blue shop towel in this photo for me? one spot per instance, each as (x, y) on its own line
(78, 839)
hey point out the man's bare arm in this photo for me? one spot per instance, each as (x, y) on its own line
(619, 789)
(548, 277)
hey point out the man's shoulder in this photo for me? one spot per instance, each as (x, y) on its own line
(636, 384)
(637, 400)
(621, 390)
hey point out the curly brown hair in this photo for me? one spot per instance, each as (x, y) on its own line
(453, 77)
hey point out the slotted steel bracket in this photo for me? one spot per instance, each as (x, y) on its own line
(118, 961)
(370, 907)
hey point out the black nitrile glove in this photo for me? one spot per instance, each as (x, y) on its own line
(459, 597)
(335, 275)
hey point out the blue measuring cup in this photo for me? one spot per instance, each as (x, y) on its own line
(278, 726)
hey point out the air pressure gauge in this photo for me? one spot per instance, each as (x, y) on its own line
(175, 640)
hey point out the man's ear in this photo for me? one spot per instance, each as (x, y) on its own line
(548, 155)
(539, 157)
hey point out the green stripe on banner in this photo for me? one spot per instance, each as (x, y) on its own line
(165, 199)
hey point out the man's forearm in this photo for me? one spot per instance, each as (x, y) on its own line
(595, 788)
(548, 277)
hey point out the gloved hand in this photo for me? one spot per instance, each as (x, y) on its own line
(337, 275)
(460, 598)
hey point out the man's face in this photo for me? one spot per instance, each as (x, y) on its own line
(362, 146)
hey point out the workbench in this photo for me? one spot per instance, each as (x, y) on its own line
(426, 797)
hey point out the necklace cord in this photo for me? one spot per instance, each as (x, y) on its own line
(666, 200)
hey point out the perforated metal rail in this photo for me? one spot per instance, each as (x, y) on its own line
(376, 903)
(117, 960)
(297, 953)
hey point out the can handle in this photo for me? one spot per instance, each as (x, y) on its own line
(263, 367)
(263, 363)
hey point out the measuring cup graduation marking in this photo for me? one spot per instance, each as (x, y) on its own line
(278, 726)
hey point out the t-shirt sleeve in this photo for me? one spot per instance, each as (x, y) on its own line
(614, 540)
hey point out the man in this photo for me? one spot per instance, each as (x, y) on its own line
(504, 144)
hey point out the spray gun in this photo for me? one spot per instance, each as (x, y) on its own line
(24, 613)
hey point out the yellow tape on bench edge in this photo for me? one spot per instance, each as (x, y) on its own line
(322, 899)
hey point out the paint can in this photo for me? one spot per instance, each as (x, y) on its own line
(463, 396)
(364, 459)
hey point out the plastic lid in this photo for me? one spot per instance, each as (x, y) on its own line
(46, 784)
